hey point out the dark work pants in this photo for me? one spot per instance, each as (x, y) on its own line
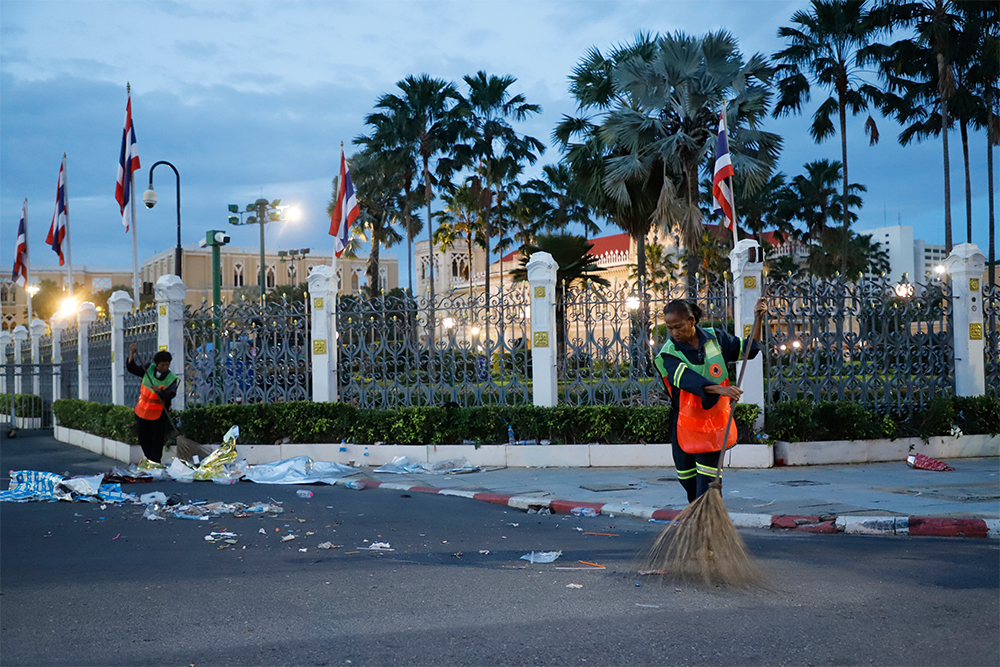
(694, 471)
(151, 433)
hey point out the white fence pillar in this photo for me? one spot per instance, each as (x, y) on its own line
(85, 316)
(170, 293)
(6, 338)
(542, 279)
(119, 305)
(747, 263)
(37, 330)
(966, 264)
(324, 334)
(20, 335)
(57, 325)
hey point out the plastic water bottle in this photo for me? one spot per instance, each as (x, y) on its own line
(343, 446)
(583, 511)
(366, 455)
(510, 434)
(304, 493)
(354, 484)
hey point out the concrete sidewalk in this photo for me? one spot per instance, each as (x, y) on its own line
(879, 498)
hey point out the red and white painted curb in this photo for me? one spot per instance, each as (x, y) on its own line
(858, 525)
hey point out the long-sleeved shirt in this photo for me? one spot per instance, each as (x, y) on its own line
(166, 395)
(691, 381)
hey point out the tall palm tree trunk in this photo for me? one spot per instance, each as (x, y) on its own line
(991, 138)
(964, 127)
(845, 245)
(947, 178)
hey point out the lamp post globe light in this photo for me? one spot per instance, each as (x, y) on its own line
(149, 198)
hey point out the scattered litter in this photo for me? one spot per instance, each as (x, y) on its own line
(591, 564)
(578, 528)
(645, 572)
(604, 534)
(583, 511)
(287, 538)
(648, 606)
(303, 549)
(574, 585)
(153, 513)
(484, 552)
(457, 554)
(31, 485)
(541, 556)
(514, 524)
(658, 521)
(924, 462)
(262, 531)
(116, 537)
(401, 465)
(327, 545)
(767, 504)
(377, 546)
(542, 510)
(304, 493)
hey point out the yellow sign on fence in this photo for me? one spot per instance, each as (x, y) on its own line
(541, 339)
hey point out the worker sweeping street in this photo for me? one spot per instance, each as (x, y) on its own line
(159, 386)
(693, 366)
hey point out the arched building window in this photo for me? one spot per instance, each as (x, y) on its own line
(291, 273)
(238, 274)
(269, 276)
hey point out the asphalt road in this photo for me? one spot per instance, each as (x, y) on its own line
(81, 585)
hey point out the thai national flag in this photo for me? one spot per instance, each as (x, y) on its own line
(128, 162)
(722, 183)
(346, 210)
(20, 274)
(60, 218)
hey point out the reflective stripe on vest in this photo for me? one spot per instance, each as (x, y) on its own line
(700, 430)
(149, 405)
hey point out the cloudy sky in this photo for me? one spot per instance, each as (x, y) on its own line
(252, 99)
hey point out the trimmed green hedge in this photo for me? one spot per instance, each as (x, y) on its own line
(332, 422)
(802, 420)
(25, 405)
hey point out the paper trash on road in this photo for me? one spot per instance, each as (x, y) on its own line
(85, 486)
(542, 556)
(401, 465)
(298, 470)
(153, 497)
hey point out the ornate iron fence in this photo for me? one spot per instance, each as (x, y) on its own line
(247, 353)
(883, 345)
(991, 337)
(70, 371)
(99, 360)
(477, 353)
(26, 351)
(609, 335)
(139, 328)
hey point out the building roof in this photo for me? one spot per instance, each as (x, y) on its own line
(602, 245)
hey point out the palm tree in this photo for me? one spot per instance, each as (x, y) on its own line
(558, 200)
(460, 220)
(492, 139)
(919, 74)
(827, 45)
(813, 199)
(391, 140)
(662, 268)
(667, 125)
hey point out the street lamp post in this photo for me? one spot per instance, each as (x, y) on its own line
(263, 211)
(149, 199)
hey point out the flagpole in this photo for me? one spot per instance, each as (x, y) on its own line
(69, 245)
(135, 245)
(27, 262)
(732, 181)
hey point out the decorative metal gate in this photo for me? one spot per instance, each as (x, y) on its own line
(140, 328)
(247, 353)
(99, 360)
(886, 346)
(991, 337)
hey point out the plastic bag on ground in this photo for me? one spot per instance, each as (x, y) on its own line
(401, 465)
(153, 497)
(924, 462)
(541, 556)
(180, 471)
(85, 486)
(298, 470)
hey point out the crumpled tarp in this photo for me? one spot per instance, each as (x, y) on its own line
(401, 465)
(298, 470)
(30, 485)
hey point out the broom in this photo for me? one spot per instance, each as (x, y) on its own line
(701, 543)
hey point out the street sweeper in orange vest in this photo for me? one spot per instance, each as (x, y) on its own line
(693, 366)
(159, 386)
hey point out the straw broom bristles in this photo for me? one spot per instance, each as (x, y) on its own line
(701, 544)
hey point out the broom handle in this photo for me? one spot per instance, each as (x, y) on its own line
(739, 381)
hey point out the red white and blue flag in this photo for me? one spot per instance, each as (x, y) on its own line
(128, 163)
(345, 211)
(60, 218)
(722, 182)
(20, 274)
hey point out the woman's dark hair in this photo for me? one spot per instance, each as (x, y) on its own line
(685, 309)
(162, 355)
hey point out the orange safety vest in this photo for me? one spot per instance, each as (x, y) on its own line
(700, 430)
(149, 405)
